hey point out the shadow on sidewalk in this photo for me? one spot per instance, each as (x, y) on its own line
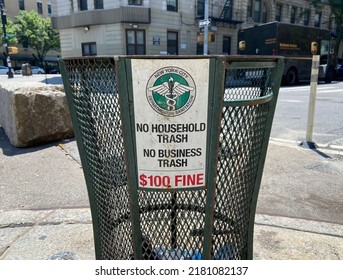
(52, 81)
(9, 150)
(312, 146)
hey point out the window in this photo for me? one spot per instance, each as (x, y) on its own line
(21, 5)
(264, 15)
(201, 8)
(39, 8)
(83, 5)
(172, 42)
(317, 19)
(293, 14)
(136, 2)
(49, 10)
(226, 45)
(249, 10)
(89, 49)
(98, 4)
(257, 11)
(278, 12)
(172, 5)
(306, 17)
(227, 10)
(135, 42)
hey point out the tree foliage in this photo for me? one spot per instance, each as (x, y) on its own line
(37, 32)
(10, 29)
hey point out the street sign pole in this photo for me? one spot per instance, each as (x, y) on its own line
(206, 29)
(312, 102)
(4, 21)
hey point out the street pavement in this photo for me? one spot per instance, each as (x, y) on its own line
(44, 208)
(45, 212)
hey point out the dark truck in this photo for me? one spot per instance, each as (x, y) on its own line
(296, 43)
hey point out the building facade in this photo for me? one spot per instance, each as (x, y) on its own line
(154, 27)
(25, 54)
(13, 7)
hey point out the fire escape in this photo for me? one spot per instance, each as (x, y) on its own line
(227, 10)
(225, 17)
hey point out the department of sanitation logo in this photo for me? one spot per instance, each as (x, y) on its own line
(171, 91)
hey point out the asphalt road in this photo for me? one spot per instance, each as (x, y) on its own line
(290, 121)
(299, 182)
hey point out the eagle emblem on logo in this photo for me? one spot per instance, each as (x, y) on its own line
(171, 91)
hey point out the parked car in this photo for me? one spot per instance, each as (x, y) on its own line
(35, 70)
(4, 70)
(339, 68)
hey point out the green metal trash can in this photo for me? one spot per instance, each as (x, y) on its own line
(172, 150)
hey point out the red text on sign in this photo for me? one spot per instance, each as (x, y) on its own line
(189, 180)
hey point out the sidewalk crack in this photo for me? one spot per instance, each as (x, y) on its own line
(4, 251)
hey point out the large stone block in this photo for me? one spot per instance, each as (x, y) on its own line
(34, 115)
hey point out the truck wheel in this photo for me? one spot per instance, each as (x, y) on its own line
(291, 77)
(330, 76)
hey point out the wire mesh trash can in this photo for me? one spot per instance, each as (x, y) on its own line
(172, 150)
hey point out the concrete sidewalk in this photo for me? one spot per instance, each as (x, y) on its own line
(44, 212)
(67, 234)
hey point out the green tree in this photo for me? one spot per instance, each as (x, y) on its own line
(36, 31)
(336, 7)
(10, 29)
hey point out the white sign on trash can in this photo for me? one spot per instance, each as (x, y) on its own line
(170, 113)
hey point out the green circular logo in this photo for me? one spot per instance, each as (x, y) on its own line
(171, 91)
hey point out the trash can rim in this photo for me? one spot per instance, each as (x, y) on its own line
(249, 102)
(226, 57)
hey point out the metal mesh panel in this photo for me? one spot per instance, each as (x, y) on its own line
(96, 102)
(240, 144)
(172, 222)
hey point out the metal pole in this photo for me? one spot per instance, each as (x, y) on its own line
(312, 102)
(206, 29)
(4, 21)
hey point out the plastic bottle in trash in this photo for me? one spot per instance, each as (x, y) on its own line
(195, 254)
(163, 253)
(226, 252)
(159, 252)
